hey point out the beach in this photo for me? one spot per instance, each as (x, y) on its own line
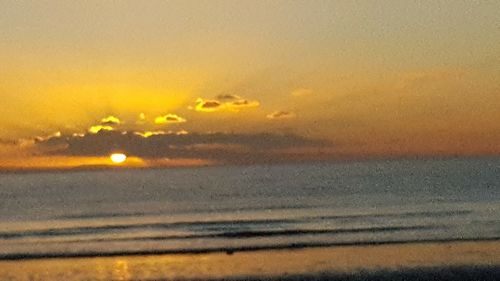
(448, 261)
(386, 220)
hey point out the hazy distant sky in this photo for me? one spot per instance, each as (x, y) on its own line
(276, 79)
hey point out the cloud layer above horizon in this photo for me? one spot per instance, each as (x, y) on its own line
(220, 148)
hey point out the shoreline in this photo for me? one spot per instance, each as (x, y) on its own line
(475, 257)
(233, 250)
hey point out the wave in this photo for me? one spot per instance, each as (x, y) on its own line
(218, 225)
(231, 250)
(211, 210)
(257, 234)
(284, 208)
(432, 214)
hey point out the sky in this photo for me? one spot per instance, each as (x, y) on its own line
(173, 83)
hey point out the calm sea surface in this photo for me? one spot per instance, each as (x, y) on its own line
(252, 207)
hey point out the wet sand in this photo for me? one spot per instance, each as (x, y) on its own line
(477, 260)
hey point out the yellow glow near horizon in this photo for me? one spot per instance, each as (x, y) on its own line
(118, 158)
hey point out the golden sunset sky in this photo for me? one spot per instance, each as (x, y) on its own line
(201, 82)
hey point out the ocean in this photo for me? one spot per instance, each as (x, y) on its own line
(242, 208)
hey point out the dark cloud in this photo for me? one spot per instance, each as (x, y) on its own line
(244, 103)
(52, 143)
(228, 97)
(220, 147)
(228, 102)
(207, 105)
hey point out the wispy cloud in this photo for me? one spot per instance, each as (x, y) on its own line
(169, 118)
(242, 103)
(97, 128)
(147, 134)
(280, 115)
(110, 120)
(43, 138)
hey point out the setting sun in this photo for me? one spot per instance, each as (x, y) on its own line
(118, 158)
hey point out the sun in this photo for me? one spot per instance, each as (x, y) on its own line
(118, 158)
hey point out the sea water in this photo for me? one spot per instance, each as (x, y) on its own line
(237, 208)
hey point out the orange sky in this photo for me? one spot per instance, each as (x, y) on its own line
(288, 81)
